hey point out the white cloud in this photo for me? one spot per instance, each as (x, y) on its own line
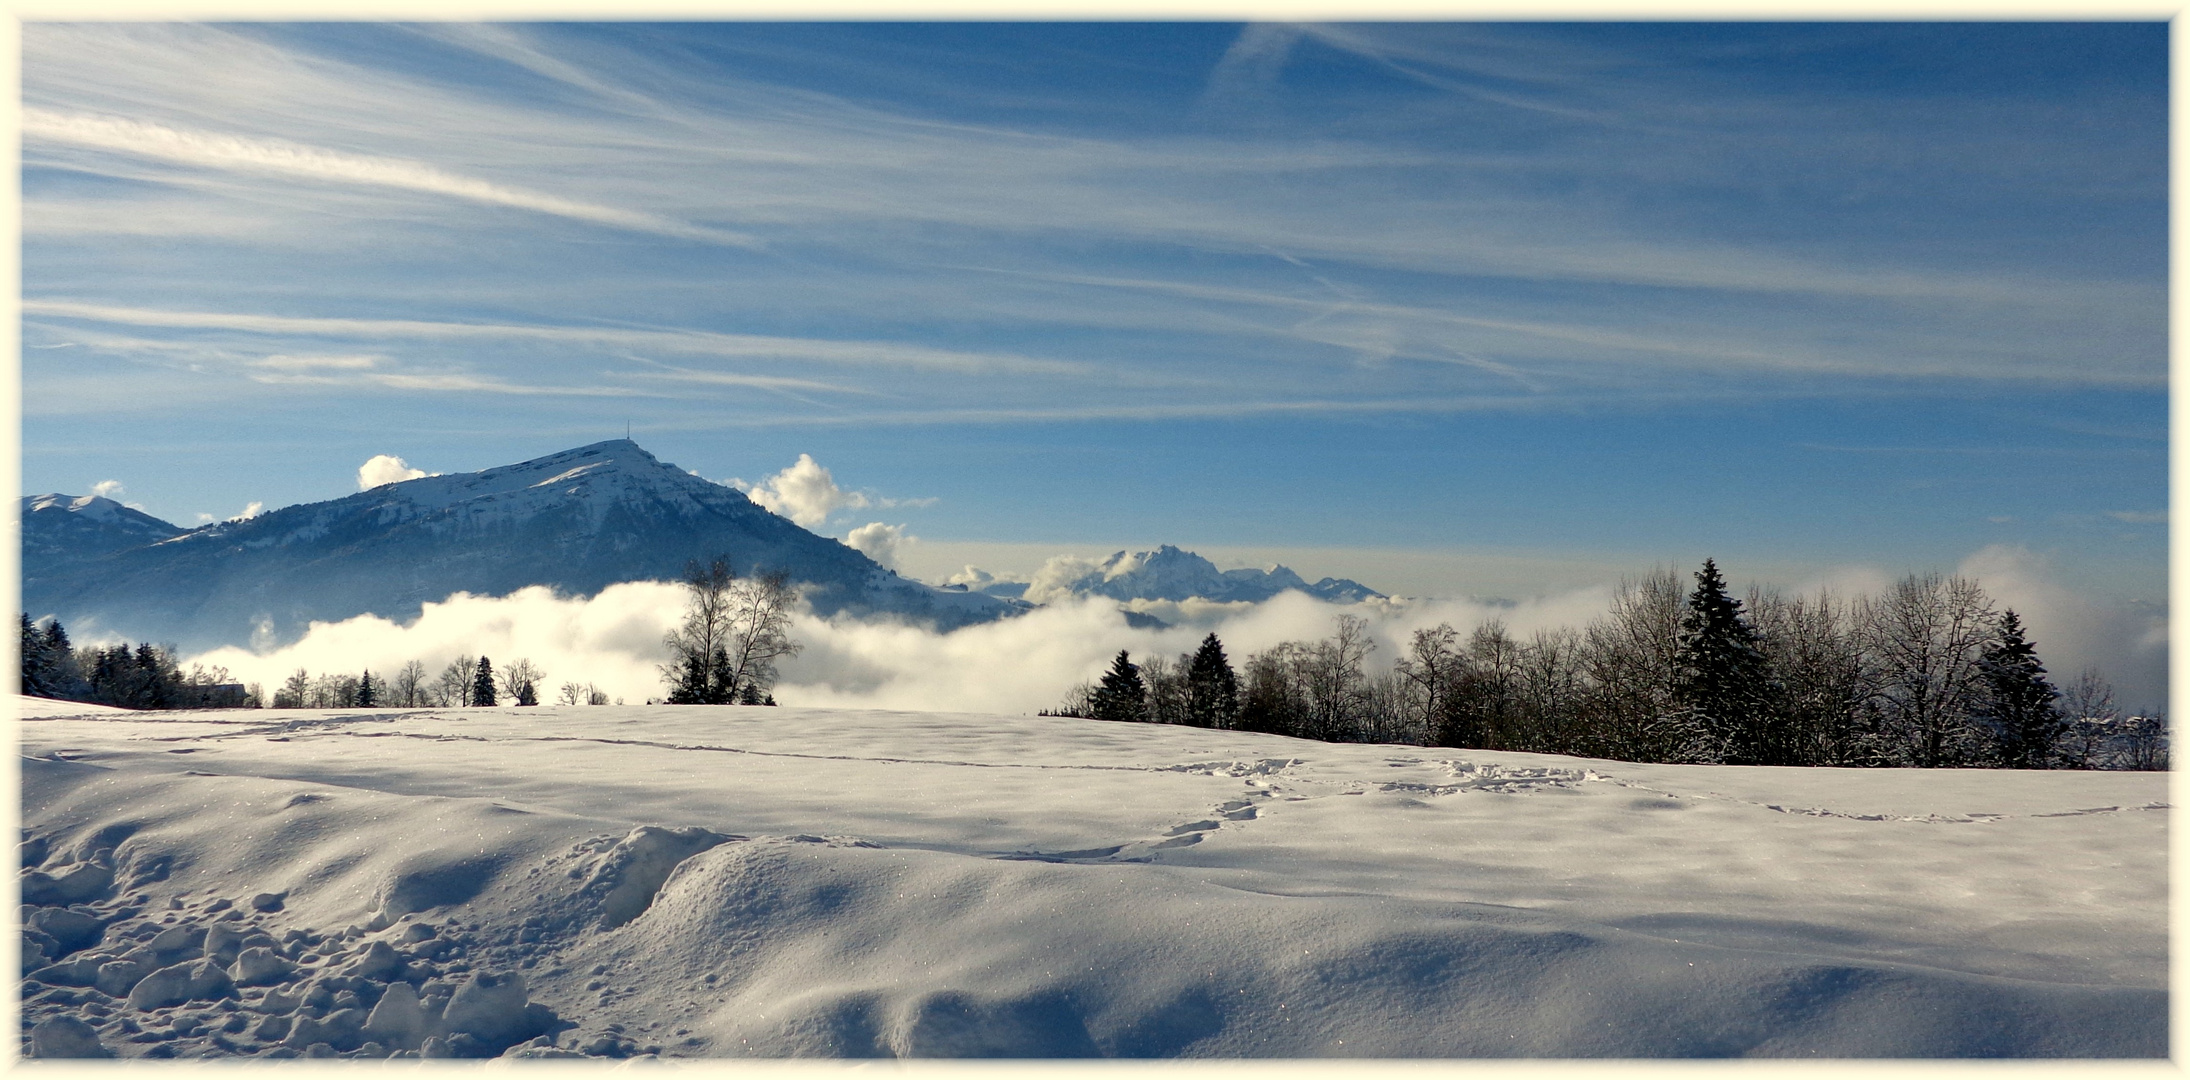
(283, 362)
(1059, 578)
(2139, 517)
(107, 489)
(613, 639)
(880, 542)
(806, 493)
(972, 577)
(209, 150)
(1019, 665)
(2073, 631)
(444, 382)
(871, 354)
(386, 469)
(250, 510)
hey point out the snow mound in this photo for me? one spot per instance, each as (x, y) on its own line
(634, 870)
(611, 883)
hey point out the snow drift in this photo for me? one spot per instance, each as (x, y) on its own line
(710, 882)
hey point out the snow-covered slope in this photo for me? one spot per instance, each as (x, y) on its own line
(579, 521)
(63, 528)
(718, 881)
(1169, 573)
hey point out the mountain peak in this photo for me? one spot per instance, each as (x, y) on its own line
(577, 520)
(60, 528)
(1174, 573)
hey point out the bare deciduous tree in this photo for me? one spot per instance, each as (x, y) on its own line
(1431, 667)
(1815, 656)
(1631, 660)
(760, 630)
(519, 675)
(454, 685)
(734, 631)
(410, 685)
(1924, 639)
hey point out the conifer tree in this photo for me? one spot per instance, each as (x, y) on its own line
(692, 686)
(1212, 689)
(1121, 695)
(153, 685)
(38, 662)
(34, 644)
(526, 695)
(67, 676)
(2018, 703)
(1721, 675)
(722, 679)
(482, 683)
(749, 694)
(368, 691)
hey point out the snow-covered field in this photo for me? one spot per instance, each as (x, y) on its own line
(723, 881)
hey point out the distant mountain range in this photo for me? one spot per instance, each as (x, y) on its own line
(577, 521)
(1170, 573)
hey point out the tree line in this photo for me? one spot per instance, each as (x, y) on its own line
(149, 677)
(1932, 673)
(465, 681)
(144, 677)
(724, 652)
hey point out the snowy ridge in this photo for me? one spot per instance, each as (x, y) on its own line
(1169, 573)
(718, 882)
(576, 521)
(592, 478)
(63, 528)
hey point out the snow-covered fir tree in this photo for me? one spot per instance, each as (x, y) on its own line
(1212, 689)
(1722, 675)
(482, 683)
(1121, 695)
(2017, 706)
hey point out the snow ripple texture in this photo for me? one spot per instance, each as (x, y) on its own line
(708, 882)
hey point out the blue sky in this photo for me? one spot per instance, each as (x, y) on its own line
(1795, 296)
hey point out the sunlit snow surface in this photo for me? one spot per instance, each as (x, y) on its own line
(924, 884)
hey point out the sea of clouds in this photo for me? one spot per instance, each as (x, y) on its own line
(614, 640)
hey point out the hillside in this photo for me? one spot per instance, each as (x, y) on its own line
(719, 882)
(577, 521)
(65, 528)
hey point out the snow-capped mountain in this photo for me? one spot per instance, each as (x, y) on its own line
(1169, 573)
(579, 521)
(62, 528)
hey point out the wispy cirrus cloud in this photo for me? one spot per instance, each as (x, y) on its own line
(729, 378)
(853, 353)
(276, 157)
(284, 362)
(448, 383)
